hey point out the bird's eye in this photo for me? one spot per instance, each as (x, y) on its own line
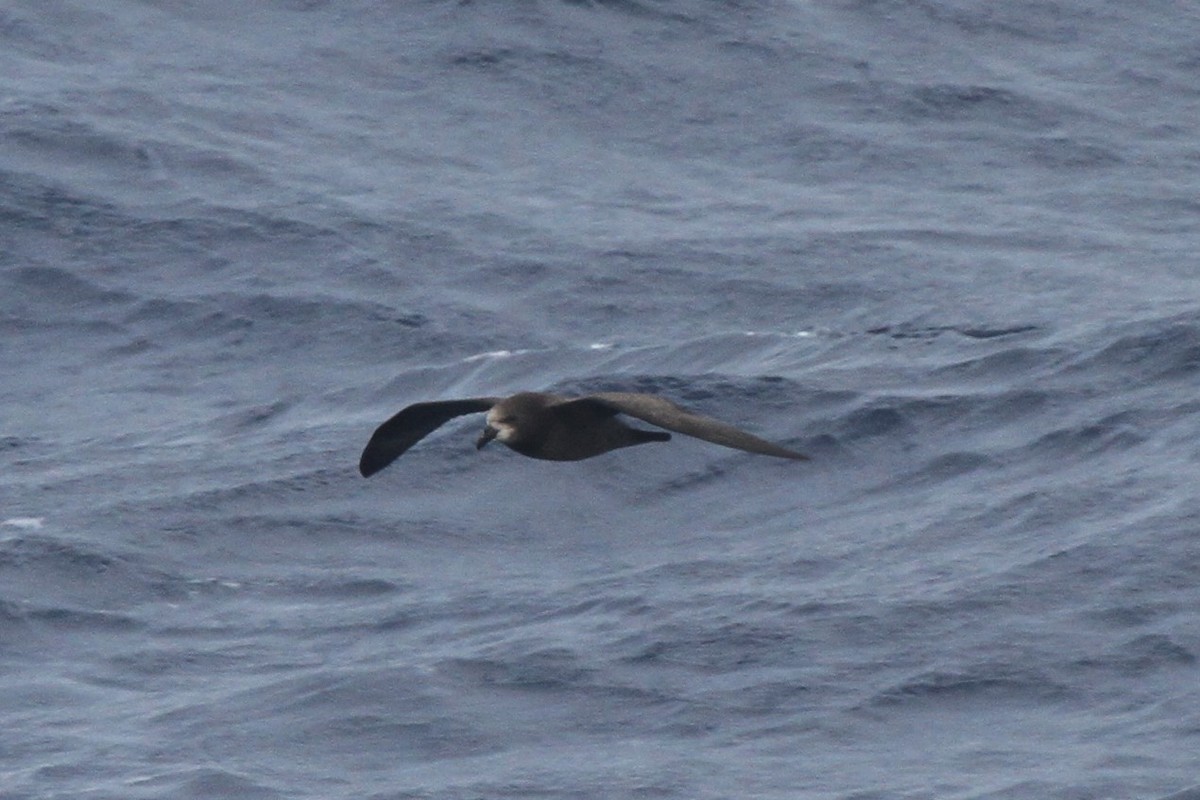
(507, 420)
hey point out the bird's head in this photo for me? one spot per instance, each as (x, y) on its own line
(501, 425)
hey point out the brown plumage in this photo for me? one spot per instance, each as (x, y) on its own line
(557, 428)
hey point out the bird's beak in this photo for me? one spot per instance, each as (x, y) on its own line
(488, 434)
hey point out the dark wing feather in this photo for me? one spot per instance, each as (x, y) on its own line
(394, 437)
(665, 414)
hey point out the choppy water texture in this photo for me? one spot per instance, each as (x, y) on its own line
(948, 248)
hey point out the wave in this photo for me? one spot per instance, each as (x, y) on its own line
(983, 683)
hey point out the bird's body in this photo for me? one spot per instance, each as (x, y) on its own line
(553, 428)
(557, 428)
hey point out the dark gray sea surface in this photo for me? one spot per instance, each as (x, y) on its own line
(949, 249)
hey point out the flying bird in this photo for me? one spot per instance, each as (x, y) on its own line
(557, 428)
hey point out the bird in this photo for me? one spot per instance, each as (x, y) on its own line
(555, 427)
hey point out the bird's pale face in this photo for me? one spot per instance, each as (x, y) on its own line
(501, 425)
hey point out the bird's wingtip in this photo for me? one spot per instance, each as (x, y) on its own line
(370, 463)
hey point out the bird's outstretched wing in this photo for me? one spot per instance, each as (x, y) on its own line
(411, 425)
(665, 414)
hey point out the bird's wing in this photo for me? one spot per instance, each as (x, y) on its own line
(665, 414)
(394, 437)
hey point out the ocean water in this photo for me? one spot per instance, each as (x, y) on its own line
(948, 248)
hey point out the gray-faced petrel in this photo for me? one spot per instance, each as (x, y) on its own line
(558, 428)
